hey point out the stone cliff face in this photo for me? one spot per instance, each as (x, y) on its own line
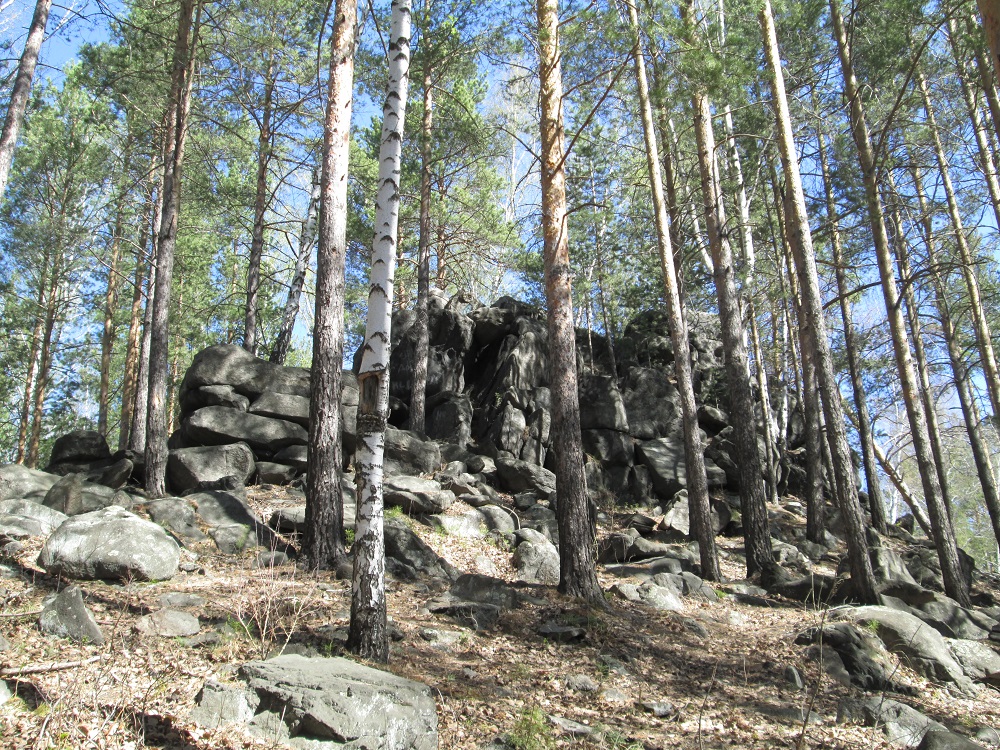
(487, 393)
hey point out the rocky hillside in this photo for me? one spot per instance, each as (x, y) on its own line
(184, 622)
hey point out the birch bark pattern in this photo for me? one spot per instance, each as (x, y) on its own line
(694, 450)
(577, 575)
(814, 323)
(323, 541)
(180, 98)
(368, 636)
(22, 89)
(943, 534)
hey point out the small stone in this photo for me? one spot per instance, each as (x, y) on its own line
(168, 623)
(989, 735)
(558, 633)
(794, 678)
(660, 709)
(5, 692)
(4, 644)
(270, 559)
(570, 727)
(582, 683)
(613, 695)
(65, 615)
(181, 599)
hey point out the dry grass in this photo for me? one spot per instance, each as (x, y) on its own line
(721, 665)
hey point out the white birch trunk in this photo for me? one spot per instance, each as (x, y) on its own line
(368, 607)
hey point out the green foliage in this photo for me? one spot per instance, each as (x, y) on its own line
(531, 731)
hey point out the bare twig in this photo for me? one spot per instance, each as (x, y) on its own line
(54, 666)
(29, 613)
(704, 702)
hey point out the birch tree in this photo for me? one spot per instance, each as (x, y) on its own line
(368, 636)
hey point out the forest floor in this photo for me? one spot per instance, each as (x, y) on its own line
(720, 666)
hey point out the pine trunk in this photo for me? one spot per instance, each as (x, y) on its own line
(981, 325)
(700, 508)
(753, 501)
(22, 89)
(944, 537)
(259, 210)
(578, 576)
(108, 329)
(323, 541)
(876, 503)
(368, 636)
(307, 241)
(159, 342)
(418, 393)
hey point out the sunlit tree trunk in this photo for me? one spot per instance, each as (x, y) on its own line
(180, 99)
(960, 372)
(876, 503)
(323, 541)
(753, 501)
(368, 636)
(418, 393)
(260, 201)
(986, 159)
(32, 363)
(979, 321)
(944, 536)
(307, 241)
(578, 577)
(989, 11)
(22, 89)
(108, 328)
(694, 449)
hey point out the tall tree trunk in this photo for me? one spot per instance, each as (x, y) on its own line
(323, 541)
(981, 325)
(307, 241)
(907, 280)
(368, 636)
(700, 508)
(140, 412)
(22, 89)
(108, 329)
(753, 501)
(812, 408)
(32, 364)
(578, 576)
(986, 75)
(986, 160)
(876, 503)
(814, 323)
(159, 343)
(944, 536)
(960, 372)
(132, 346)
(418, 393)
(260, 202)
(989, 11)
(53, 302)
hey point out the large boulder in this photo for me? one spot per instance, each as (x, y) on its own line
(333, 702)
(415, 495)
(190, 468)
(410, 453)
(76, 447)
(902, 725)
(282, 406)
(601, 404)
(24, 518)
(110, 544)
(665, 460)
(17, 482)
(516, 475)
(915, 641)
(217, 425)
(72, 495)
(652, 403)
(408, 556)
(231, 365)
(66, 616)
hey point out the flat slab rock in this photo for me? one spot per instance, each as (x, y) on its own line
(319, 702)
